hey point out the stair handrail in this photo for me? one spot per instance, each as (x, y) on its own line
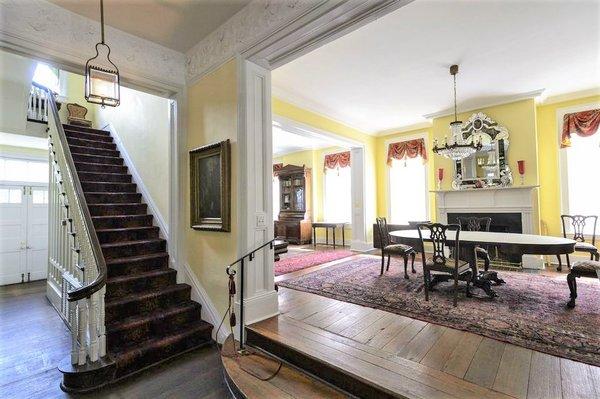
(86, 290)
(231, 274)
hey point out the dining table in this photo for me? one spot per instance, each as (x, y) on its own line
(515, 243)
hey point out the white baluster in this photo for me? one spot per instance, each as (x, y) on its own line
(93, 326)
(81, 329)
(73, 316)
(101, 326)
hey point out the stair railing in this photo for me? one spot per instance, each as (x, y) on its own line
(76, 266)
(37, 104)
(231, 272)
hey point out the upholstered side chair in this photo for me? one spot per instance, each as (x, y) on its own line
(473, 223)
(578, 224)
(439, 263)
(587, 268)
(388, 248)
(77, 115)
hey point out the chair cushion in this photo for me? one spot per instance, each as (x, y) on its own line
(587, 267)
(481, 251)
(585, 246)
(398, 248)
(449, 266)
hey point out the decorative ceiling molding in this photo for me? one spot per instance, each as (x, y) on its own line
(498, 101)
(240, 32)
(404, 129)
(43, 30)
(571, 96)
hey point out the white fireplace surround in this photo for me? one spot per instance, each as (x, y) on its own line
(515, 199)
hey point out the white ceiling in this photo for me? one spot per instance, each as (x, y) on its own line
(286, 142)
(388, 74)
(176, 24)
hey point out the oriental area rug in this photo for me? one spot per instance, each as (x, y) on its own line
(291, 263)
(530, 310)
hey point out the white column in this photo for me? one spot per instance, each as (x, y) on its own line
(359, 222)
(255, 200)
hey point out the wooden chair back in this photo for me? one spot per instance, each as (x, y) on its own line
(439, 240)
(76, 111)
(384, 234)
(474, 223)
(578, 222)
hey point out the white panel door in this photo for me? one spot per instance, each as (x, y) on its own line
(37, 233)
(13, 234)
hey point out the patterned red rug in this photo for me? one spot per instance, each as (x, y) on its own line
(301, 261)
(529, 311)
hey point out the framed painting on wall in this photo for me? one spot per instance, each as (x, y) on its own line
(210, 187)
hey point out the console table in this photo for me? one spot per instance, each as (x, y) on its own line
(327, 226)
(522, 244)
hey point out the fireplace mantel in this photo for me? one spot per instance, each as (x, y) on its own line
(519, 199)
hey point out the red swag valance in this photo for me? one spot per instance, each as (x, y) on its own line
(276, 168)
(584, 124)
(337, 160)
(407, 149)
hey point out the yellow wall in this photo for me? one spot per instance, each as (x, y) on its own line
(74, 92)
(212, 117)
(321, 122)
(548, 145)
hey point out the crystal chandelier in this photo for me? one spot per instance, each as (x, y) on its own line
(102, 82)
(456, 148)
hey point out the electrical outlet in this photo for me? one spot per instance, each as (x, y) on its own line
(261, 220)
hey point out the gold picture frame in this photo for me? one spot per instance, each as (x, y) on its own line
(210, 187)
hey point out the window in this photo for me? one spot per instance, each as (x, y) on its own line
(579, 160)
(408, 190)
(338, 204)
(46, 76)
(39, 196)
(276, 198)
(10, 195)
(23, 170)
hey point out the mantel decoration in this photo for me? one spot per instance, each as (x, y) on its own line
(487, 166)
(456, 147)
(102, 81)
(210, 187)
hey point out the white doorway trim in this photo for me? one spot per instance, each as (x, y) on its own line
(320, 25)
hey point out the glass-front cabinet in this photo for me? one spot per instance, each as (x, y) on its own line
(294, 224)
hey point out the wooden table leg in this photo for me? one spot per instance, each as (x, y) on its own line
(343, 236)
(314, 237)
(470, 255)
(333, 229)
(326, 236)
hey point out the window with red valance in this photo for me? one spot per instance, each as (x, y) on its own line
(407, 149)
(337, 160)
(583, 124)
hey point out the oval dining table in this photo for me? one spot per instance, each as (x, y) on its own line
(521, 244)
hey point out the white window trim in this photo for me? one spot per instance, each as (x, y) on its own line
(341, 149)
(562, 153)
(388, 194)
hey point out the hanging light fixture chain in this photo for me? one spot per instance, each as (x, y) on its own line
(455, 113)
(102, 20)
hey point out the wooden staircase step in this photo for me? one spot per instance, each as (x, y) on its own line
(112, 198)
(91, 143)
(125, 333)
(96, 159)
(131, 265)
(110, 187)
(99, 167)
(104, 177)
(146, 302)
(117, 209)
(127, 234)
(159, 349)
(118, 221)
(118, 287)
(79, 128)
(131, 248)
(75, 149)
(88, 136)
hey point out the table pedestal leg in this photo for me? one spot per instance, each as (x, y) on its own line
(480, 280)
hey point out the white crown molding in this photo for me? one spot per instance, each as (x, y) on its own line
(571, 96)
(46, 31)
(137, 179)
(485, 104)
(247, 27)
(404, 129)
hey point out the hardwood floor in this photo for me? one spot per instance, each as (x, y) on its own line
(33, 339)
(419, 359)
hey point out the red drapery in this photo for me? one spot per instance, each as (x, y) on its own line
(337, 160)
(407, 149)
(584, 124)
(276, 168)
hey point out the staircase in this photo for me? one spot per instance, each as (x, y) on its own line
(148, 316)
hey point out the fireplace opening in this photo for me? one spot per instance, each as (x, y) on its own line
(509, 222)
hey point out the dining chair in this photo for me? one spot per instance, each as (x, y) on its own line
(439, 263)
(474, 223)
(388, 248)
(578, 223)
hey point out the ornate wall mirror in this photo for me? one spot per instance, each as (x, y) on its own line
(487, 167)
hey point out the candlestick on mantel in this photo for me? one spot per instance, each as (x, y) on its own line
(521, 167)
(440, 178)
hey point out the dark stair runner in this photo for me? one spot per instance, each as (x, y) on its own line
(149, 317)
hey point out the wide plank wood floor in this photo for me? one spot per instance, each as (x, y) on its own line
(419, 359)
(34, 339)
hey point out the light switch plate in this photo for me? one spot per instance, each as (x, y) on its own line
(261, 220)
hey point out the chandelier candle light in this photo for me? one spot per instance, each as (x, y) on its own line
(102, 82)
(456, 147)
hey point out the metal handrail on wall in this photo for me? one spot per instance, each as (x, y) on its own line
(231, 273)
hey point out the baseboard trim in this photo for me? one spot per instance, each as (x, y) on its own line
(361, 246)
(137, 179)
(209, 311)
